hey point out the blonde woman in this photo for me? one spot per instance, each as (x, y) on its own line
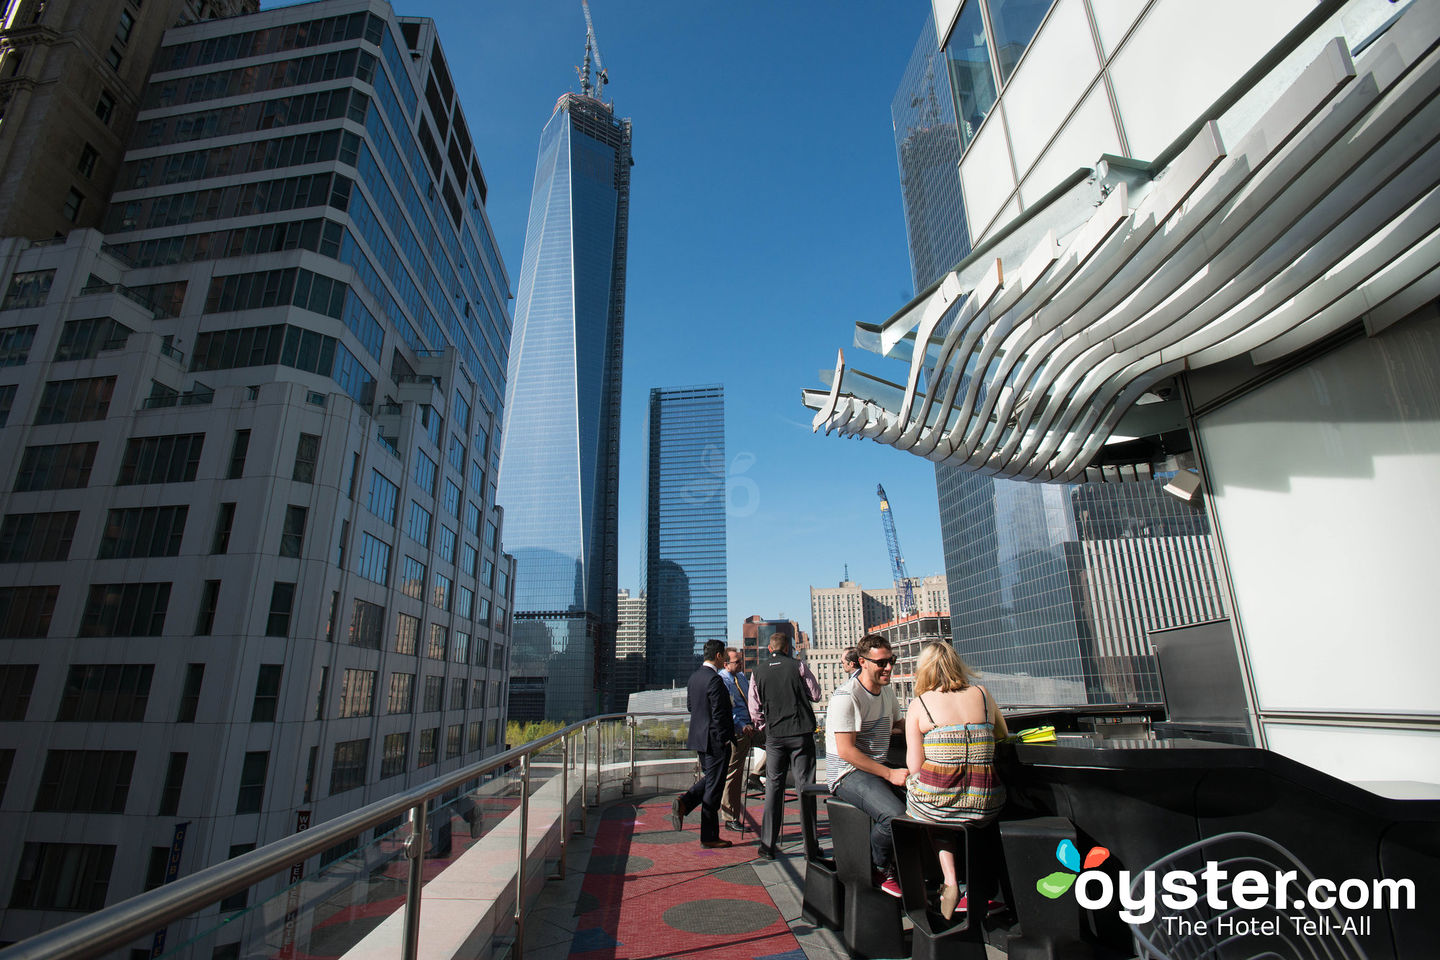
(950, 733)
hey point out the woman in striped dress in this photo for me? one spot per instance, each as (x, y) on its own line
(950, 733)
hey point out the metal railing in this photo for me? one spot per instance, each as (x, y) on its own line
(122, 923)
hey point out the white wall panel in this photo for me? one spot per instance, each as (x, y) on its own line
(1184, 55)
(1360, 754)
(986, 175)
(1114, 17)
(1055, 73)
(1088, 134)
(1326, 490)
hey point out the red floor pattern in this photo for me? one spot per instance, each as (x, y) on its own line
(647, 896)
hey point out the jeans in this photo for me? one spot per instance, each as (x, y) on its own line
(880, 800)
(784, 755)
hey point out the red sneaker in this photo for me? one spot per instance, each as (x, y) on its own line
(885, 880)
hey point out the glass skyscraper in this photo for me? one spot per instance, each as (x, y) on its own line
(560, 461)
(1053, 587)
(685, 530)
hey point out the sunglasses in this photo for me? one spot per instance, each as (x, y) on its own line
(882, 663)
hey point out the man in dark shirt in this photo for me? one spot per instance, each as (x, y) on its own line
(781, 691)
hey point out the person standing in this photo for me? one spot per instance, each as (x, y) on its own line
(732, 802)
(711, 730)
(862, 715)
(781, 692)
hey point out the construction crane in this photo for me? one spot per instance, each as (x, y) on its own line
(591, 44)
(904, 590)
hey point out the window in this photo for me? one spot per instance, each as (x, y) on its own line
(465, 602)
(143, 532)
(972, 84)
(341, 543)
(461, 651)
(492, 536)
(417, 524)
(15, 343)
(252, 781)
(105, 693)
(477, 479)
(37, 537)
(174, 783)
(468, 556)
(347, 767)
(477, 694)
(74, 198)
(354, 476)
(170, 459)
(434, 695)
(429, 743)
(282, 598)
(439, 640)
(127, 24)
(446, 545)
(239, 447)
(492, 733)
(64, 466)
(440, 592)
(7, 401)
(114, 57)
(402, 693)
(451, 501)
(205, 614)
(424, 473)
(309, 793)
(63, 876)
(472, 517)
(430, 420)
(487, 574)
(190, 693)
(473, 737)
(88, 156)
(412, 578)
(454, 743)
(293, 536)
(330, 617)
(75, 401)
(267, 693)
(85, 781)
(307, 452)
(237, 901)
(407, 633)
(322, 692)
(125, 610)
(16, 682)
(224, 521)
(394, 750)
(357, 693)
(482, 612)
(155, 872)
(374, 561)
(457, 693)
(29, 288)
(460, 418)
(367, 624)
(384, 496)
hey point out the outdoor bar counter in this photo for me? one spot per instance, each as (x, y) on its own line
(1142, 799)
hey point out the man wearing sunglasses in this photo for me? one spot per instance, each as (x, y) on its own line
(862, 715)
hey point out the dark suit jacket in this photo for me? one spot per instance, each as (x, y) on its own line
(710, 724)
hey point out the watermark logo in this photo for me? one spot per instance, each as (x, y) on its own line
(724, 482)
(1058, 883)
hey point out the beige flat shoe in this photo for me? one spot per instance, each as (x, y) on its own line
(949, 896)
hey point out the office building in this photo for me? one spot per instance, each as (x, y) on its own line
(72, 73)
(684, 530)
(559, 468)
(755, 634)
(251, 572)
(1049, 620)
(841, 615)
(629, 645)
(1230, 232)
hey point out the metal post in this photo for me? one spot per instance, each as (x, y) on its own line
(415, 853)
(585, 781)
(519, 949)
(630, 781)
(564, 802)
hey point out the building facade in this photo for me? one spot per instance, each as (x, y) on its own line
(755, 634)
(251, 572)
(559, 468)
(685, 579)
(1230, 234)
(841, 615)
(72, 73)
(629, 645)
(1040, 613)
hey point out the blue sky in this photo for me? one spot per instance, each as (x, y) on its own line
(765, 220)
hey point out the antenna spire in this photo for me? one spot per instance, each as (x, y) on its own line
(592, 45)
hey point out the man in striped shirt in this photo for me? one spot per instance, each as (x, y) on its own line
(862, 715)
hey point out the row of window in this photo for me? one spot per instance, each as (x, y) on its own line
(238, 200)
(126, 609)
(338, 104)
(257, 78)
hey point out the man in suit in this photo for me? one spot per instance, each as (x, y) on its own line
(711, 730)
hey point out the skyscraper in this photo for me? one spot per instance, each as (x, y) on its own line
(685, 530)
(250, 562)
(1052, 588)
(560, 462)
(629, 646)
